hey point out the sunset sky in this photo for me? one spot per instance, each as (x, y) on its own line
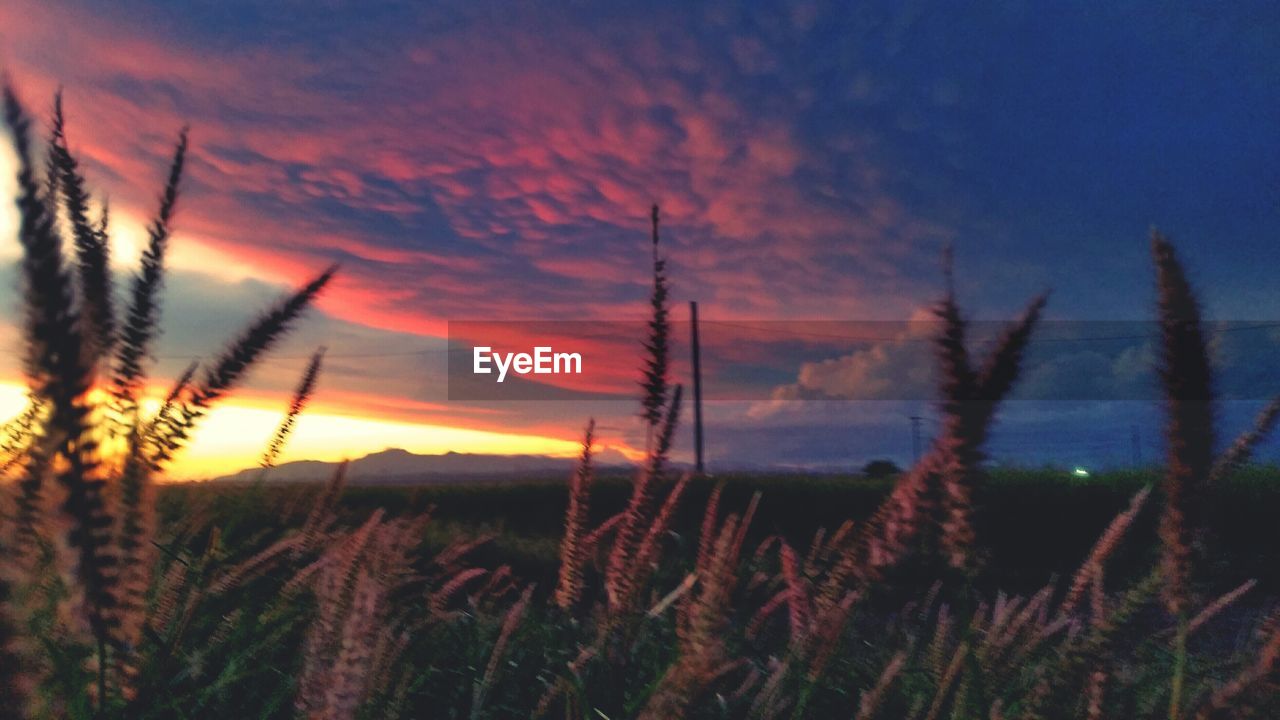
(496, 161)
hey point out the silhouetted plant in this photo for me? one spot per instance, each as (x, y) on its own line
(141, 321)
(299, 401)
(573, 553)
(69, 332)
(654, 380)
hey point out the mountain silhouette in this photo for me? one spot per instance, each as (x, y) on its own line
(399, 465)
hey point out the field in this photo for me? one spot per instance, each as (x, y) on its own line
(524, 518)
(519, 524)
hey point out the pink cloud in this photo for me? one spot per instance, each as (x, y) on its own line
(488, 172)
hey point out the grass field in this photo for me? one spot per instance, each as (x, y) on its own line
(518, 525)
(525, 517)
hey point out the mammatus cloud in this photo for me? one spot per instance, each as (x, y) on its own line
(441, 165)
(477, 167)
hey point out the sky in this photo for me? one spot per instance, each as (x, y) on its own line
(496, 161)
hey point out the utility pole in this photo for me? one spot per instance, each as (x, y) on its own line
(697, 387)
(915, 437)
(1135, 440)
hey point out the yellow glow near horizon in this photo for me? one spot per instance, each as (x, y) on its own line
(233, 436)
(13, 398)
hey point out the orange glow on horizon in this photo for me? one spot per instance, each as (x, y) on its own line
(233, 436)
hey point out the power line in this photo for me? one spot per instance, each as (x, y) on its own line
(881, 338)
(744, 326)
(407, 353)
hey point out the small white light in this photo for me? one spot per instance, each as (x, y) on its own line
(1080, 472)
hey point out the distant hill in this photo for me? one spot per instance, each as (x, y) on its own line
(397, 465)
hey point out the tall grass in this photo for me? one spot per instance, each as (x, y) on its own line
(654, 381)
(222, 604)
(301, 395)
(93, 525)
